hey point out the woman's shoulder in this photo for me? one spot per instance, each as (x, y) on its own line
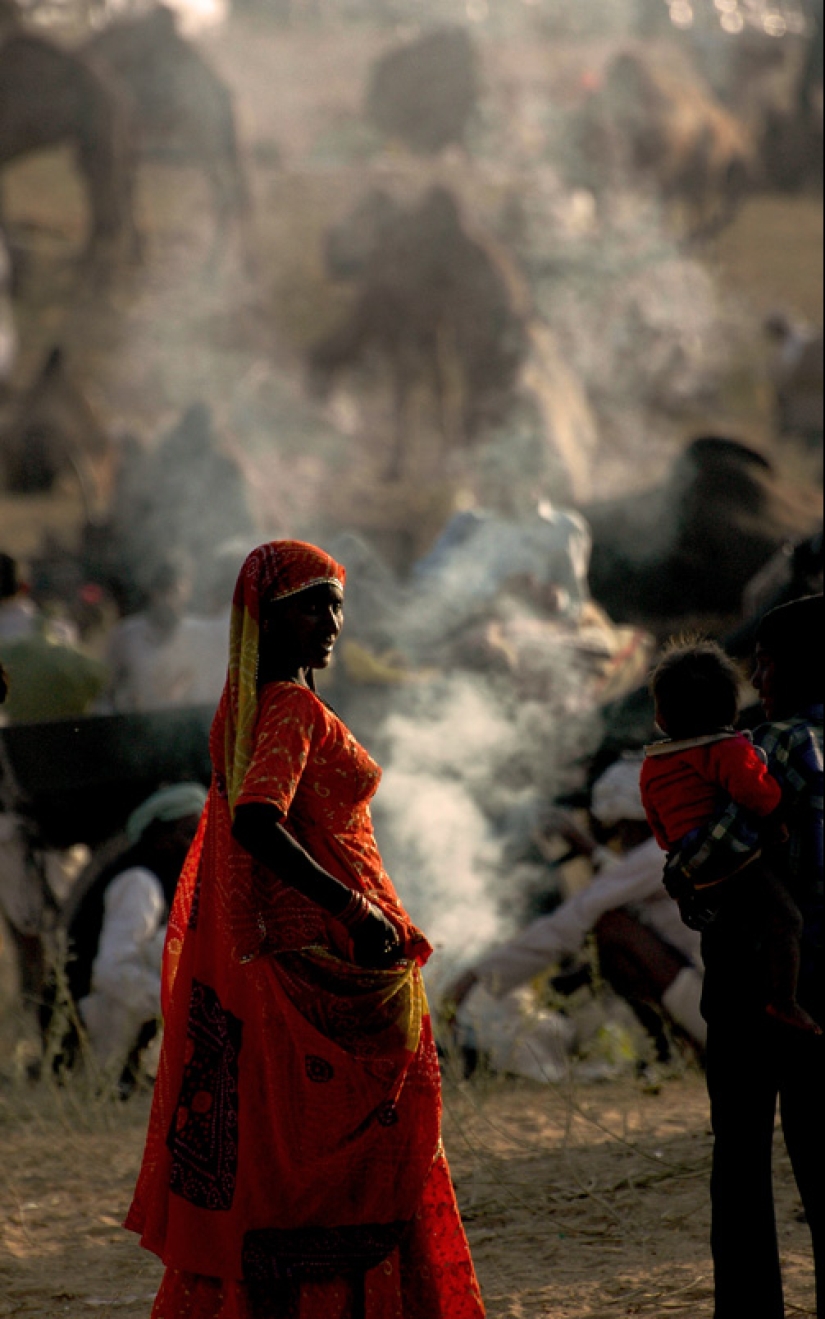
(286, 692)
(284, 700)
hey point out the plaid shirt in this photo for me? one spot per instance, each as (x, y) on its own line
(794, 750)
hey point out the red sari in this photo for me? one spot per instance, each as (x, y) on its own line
(293, 1166)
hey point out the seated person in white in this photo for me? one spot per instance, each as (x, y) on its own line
(645, 951)
(116, 931)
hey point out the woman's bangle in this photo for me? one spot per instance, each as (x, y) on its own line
(357, 910)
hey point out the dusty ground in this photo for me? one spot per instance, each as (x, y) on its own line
(580, 1203)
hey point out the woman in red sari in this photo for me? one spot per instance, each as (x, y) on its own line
(293, 1166)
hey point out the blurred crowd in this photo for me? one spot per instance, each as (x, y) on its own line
(596, 953)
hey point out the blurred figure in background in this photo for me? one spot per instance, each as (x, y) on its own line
(208, 630)
(153, 656)
(115, 934)
(181, 496)
(196, 496)
(43, 680)
(48, 678)
(645, 952)
(794, 570)
(18, 614)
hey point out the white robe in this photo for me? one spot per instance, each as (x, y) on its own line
(125, 989)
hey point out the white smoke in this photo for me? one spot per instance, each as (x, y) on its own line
(470, 769)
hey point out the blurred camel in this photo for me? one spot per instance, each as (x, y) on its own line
(685, 548)
(651, 123)
(424, 92)
(433, 301)
(53, 430)
(775, 87)
(183, 111)
(50, 97)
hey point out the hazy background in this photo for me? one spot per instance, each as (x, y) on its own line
(643, 332)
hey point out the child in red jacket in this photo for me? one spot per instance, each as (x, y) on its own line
(685, 780)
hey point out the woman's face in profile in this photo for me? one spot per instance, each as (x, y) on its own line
(302, 630)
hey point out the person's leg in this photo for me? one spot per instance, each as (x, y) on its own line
(783, 932)
(742, 1087)
(802, 1098)
(640, 967)
(681, 1001)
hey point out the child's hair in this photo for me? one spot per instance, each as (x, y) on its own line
(696, 687)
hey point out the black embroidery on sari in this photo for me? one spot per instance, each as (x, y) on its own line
(318, 1069)
(204, 1135)
(273, 1255)
(387, 1114)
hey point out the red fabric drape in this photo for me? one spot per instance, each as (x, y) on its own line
(293, 1165)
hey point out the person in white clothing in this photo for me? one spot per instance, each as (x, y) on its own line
(153, 656)
(18, 614)
(645, 951)
(116, 931)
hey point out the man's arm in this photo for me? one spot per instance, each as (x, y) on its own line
(720, 848)
(794, 760)
(631, 878)
(742, 770)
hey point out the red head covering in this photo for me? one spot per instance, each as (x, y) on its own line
(281, 568)
(273, 571)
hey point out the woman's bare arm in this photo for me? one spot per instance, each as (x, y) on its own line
(259, 830)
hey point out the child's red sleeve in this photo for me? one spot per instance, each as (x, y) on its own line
(743, 773)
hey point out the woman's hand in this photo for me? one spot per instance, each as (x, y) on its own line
(375, 941)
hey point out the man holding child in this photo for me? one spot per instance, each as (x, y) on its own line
(754, 1056)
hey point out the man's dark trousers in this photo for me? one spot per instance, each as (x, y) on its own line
(753, 1062)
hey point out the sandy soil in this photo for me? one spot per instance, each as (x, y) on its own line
(582, 1202)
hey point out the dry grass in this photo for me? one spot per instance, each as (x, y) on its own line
(587, 1202)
